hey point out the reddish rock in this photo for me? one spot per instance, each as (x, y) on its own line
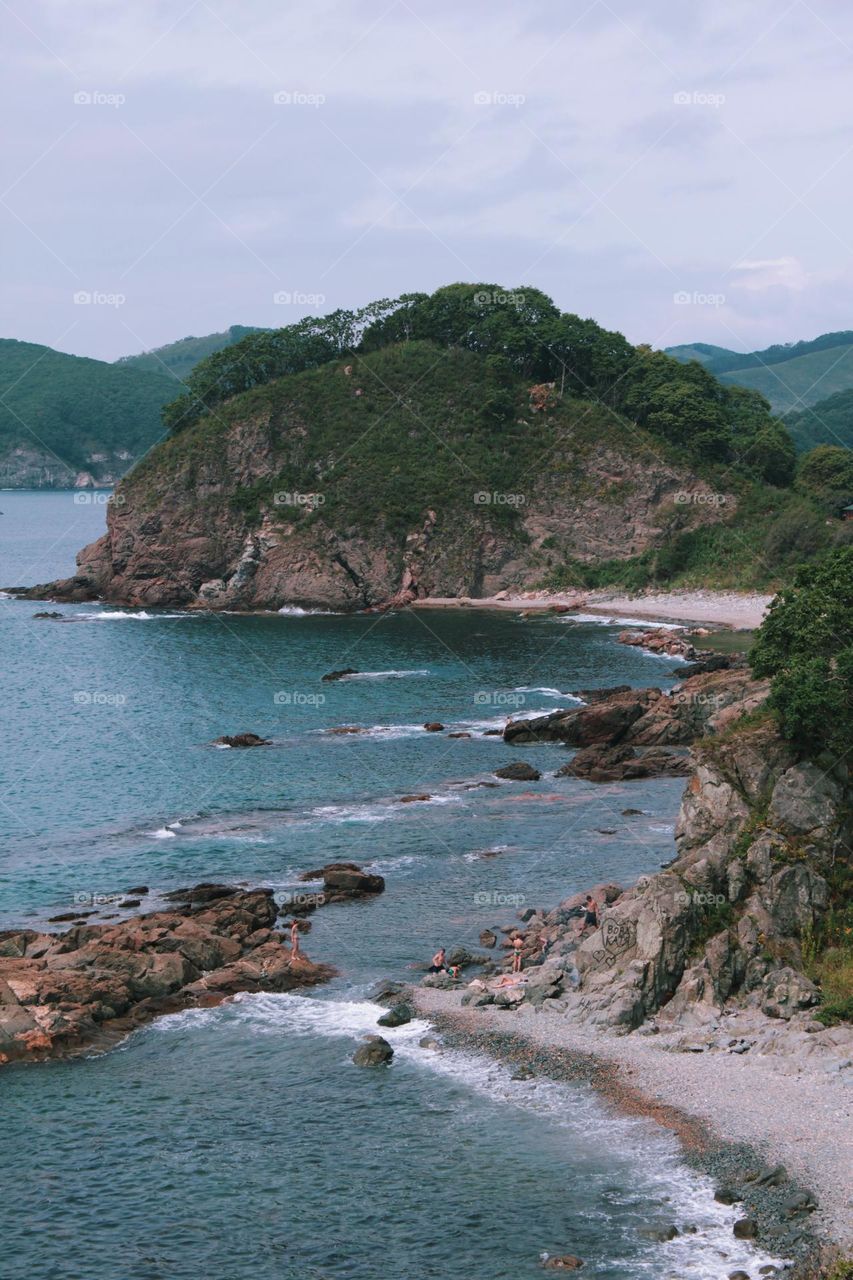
(86, 988)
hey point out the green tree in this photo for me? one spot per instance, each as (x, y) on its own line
(804, 645)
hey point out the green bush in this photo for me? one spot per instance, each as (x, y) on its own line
(805, 645)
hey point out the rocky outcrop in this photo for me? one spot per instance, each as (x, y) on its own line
(84, 989)
(703, 703)
(759, 836)
(342, 882)
(621, 764)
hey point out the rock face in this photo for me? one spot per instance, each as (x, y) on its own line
(64, 993)
(723, 926)
(242, 740)
(518, 771)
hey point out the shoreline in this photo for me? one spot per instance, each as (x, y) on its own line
(739, 611)
(731, 1116)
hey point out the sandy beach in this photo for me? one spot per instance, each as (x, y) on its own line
(798, 1114)
(738, 610)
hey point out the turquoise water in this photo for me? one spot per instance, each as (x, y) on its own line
(227, 1141)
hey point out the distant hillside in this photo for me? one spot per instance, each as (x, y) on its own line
(713, 358)
(180, 358)
(67, 420)
(791, 376)
(830, 421)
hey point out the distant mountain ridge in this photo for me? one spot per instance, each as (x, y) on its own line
(179, 358)
(69, 421)
(792, 376)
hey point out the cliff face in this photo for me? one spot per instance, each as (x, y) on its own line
(345, 488)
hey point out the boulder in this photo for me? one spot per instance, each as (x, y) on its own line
(785, 992)
(518, 771)
(413, 799)
(434, 726)
(488, 938)
(561, 1262)
(374, 1052)
(344, 880)
(745, 1229)
(339, 675)
(397, 1016)
(242, 740)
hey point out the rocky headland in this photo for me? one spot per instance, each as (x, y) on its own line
(83, 989)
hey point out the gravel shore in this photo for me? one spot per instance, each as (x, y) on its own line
(801, 1119)
(740, 610)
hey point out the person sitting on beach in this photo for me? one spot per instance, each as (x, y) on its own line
(590, 918)
(516, 954)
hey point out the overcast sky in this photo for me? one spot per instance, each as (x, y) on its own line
(184, 163)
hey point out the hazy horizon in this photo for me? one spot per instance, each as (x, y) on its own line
(677, 175)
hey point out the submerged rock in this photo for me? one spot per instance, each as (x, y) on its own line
(241, 740)
(518, 771)
(339, 675)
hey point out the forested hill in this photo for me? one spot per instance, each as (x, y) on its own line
(67, 419)
(455, 444)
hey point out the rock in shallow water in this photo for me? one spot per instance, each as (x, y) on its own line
(374, 1052)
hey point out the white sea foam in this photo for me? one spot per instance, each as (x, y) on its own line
(617, 620)
(121, 615)
(294, 611)
(162, 833)
(385, 675)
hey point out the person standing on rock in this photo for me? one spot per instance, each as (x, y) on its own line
(294, 940)
(516, 954)
(590, 918)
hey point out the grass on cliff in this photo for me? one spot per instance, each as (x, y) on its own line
(828, 953)
(410, 428)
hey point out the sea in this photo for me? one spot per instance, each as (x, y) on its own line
(241, 1141)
